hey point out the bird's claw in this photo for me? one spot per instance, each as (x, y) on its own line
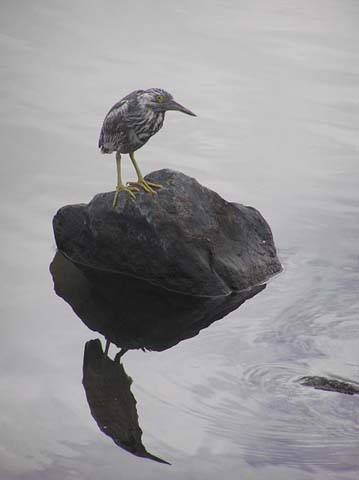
(147, 186)
(123, 188)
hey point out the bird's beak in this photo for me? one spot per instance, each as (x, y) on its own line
(172, 105)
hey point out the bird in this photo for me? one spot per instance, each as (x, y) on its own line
(129, 124)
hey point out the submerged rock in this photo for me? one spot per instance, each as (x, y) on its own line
(330, 385)
(186, 238)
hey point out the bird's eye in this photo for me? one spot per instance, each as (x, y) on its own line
(159, 98)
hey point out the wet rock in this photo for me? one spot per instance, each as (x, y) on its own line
(187, 238)
(331, 385)
(134, 314)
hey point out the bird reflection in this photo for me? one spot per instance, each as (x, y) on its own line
(112, 404)
(132, 314)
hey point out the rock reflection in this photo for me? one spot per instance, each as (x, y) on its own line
(132, 314)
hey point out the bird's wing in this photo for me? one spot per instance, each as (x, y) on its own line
(120, 108)
(114, 128)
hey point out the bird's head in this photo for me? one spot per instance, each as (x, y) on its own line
(161, 101)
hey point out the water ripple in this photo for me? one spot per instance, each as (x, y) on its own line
(274, 419)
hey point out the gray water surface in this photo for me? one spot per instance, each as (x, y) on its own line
(275, 85)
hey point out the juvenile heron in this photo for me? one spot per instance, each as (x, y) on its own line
(129, 125)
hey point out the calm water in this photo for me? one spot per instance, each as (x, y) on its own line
(275, 85)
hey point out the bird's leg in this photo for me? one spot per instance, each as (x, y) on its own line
(120, 186)
(108, 343)
(120, 354)
(141, 182)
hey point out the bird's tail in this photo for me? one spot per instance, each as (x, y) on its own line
(101, 145)
(104, 149)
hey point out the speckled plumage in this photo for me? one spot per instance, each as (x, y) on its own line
(131, 122)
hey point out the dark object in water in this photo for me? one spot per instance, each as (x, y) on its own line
(330, 385)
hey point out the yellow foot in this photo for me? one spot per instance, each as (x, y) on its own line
(147, 186)
(122, 188)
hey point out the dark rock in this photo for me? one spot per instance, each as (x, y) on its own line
(186, 238)
(134, 314)
(330, 385)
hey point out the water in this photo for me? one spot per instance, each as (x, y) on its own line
(275, 88)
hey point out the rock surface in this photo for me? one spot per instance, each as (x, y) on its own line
(186, 238)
